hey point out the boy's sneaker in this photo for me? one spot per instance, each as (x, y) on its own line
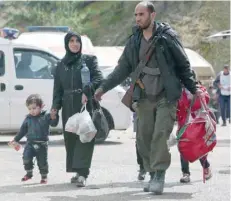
(185, 178)
(27, 177)
(208, 173)
(43, 179)
(81, 182)
(141, 175)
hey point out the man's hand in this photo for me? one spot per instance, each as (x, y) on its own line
(84, 99)
(98, 94)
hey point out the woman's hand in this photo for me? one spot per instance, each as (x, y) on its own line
(53, 113)
(84, 99)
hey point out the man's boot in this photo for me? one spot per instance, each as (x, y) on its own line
(157, 183)
(147, 186)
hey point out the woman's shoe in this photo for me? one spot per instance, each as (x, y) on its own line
(75, 178)
(141, 175)
(81, 182)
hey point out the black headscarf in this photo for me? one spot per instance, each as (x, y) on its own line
(70, 57)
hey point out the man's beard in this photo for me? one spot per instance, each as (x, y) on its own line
(147, 26)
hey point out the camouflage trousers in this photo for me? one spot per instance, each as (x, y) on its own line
(155, 124)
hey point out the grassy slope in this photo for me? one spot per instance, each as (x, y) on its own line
(192, 20)
(109, 23)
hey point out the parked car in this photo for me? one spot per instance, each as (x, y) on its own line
(108, 58)
(52, 38)
(219, 36)
(15, 86)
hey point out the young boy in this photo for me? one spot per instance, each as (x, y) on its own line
(36, 129)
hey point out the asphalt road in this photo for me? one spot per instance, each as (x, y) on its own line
(114, 174)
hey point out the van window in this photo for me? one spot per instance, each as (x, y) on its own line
(2, 63)
(33, 64)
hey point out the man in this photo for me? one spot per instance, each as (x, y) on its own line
(156, 104)
(23, 69)
(222, 82)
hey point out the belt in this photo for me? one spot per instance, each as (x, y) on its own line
(73, 91)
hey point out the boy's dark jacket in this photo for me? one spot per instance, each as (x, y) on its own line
(171, 58)
(36, 128)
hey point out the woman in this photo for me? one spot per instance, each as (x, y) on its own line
(70, 94)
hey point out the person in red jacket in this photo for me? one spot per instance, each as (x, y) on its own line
(182, 109)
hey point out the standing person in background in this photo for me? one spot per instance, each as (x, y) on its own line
(223, 83)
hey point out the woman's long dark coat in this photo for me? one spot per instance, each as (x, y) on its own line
(66, 95)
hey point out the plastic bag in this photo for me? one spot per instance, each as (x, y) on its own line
(72, 124)
(86, 129)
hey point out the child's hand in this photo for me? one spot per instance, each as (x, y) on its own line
(11, 142)
(14, 144)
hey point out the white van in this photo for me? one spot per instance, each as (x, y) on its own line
(52, 38)
(16, 87)
(202, 67)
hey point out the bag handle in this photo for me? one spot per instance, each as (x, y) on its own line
(206, 109)
(190, 108)
(83, 108)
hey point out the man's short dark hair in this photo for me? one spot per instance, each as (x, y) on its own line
(34, 99)
(151, 7)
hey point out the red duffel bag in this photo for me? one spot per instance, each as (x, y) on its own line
(197, 137)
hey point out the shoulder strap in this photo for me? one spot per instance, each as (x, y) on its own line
(135, 75)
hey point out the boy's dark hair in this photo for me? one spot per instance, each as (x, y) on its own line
(34, 99)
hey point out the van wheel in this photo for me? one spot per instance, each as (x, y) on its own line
(110, 124)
